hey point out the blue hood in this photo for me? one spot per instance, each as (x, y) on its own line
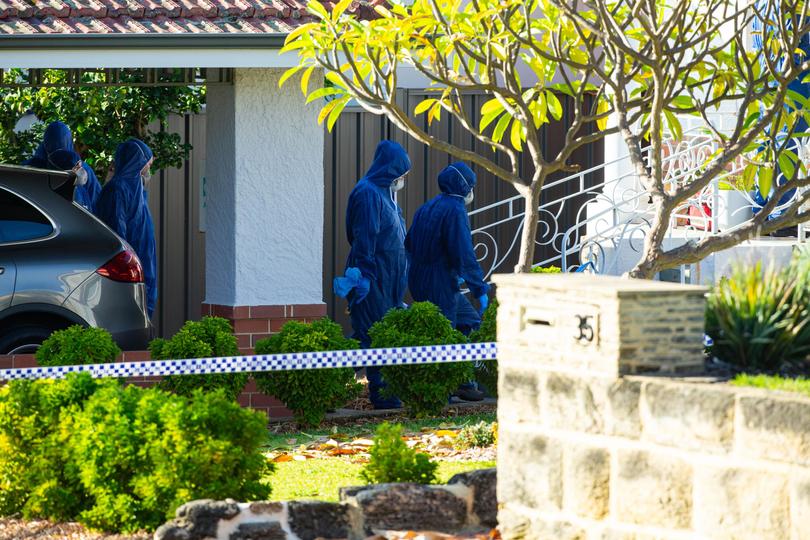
(390, 162)
(57, 137)
(457, 179)
(131, 157)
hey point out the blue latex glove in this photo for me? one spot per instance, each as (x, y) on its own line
(404, 305)
(352, 281)
(484, 301)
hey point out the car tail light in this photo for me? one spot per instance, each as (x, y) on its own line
(123, 267)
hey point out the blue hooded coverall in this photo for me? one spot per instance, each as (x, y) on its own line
(122, 206)
(800, 87)
(376, 231)
(58, 137)
(439, 244)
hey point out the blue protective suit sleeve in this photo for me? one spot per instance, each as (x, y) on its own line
(462, 255)
(364, 224)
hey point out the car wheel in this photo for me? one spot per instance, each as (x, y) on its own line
(23, 339)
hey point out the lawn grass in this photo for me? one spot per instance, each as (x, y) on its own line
(293, 439)
(320, 478)
(800, 385)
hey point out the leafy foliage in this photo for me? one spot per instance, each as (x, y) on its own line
(760, 319)
(142, 453)
(424, 389)
(392, 461)
(211, 336)
(100, 117)
(77, 345)
(479, 435)
(486, 372)
(546, 270)
(37, 478)
(122, 458)
(309, 393)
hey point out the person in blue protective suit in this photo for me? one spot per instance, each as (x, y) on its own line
(376, 270)
(439, 244)
(122, 206)
(57, 141)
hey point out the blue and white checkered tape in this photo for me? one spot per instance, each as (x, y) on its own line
(433, 354)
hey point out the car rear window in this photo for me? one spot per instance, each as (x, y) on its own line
(20, 221)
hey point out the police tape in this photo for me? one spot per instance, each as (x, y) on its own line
(432, 354)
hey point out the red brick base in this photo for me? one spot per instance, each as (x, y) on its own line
(252, 323)
(250, 396)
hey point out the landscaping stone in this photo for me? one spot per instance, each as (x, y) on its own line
(571, 402)
(586, 481)
(484, 484)
(411, 507)
(259, 531)
(741, 504)
(776, 429)
(653, 489)
(197, 519)
(800, 506)
(315, 519)
(688, 416)
(530, 470)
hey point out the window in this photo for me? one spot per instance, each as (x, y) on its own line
(20, 221)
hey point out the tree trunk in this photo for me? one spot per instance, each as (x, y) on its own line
(531, 194)
(650, 259)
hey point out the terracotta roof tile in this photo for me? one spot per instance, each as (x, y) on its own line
(160, 16)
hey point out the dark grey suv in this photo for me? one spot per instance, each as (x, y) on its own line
(60, 266)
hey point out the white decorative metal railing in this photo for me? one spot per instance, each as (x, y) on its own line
(613, 215)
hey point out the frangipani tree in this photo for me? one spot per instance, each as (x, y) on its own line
(674, 59)
(495, 47)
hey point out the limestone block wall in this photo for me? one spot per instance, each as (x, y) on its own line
(587, 452)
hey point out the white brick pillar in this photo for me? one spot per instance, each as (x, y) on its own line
(264, 203)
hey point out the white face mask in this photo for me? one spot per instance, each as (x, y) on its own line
(398, 184)
(81, 176)
(146, 178)
(468, 199)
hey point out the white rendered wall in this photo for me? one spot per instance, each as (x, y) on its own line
(264, 239)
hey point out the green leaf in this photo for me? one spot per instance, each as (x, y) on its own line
(554, 105)
(749, 176)
(490, 106)
(289, 73)
(423, 105)
(323, 92)
(317, 9)
(500, 127)
(305, 79)
(336, 110)
(674, 125)
(787, 166)
(326, 110)
(765, 180)
(338, 10)
(516, 136)
(486, 120)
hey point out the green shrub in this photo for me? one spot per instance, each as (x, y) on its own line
(546, 270)
(479, 435)
(141, 453)
(392, 461)
(37, 480)
(77, 345)
(309, 393)
(123, 458)
(759, 319)
(424, 389)
(210, 337)
(486, 372)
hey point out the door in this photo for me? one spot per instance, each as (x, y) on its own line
(8, 274)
